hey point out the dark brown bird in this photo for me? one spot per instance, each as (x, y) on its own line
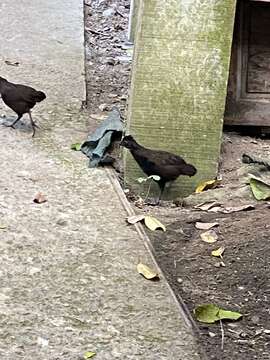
(21, 99)
(157, 162)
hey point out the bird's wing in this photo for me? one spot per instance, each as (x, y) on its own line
(18, 93)
(170, 159)
(146, 163)
(26, 93)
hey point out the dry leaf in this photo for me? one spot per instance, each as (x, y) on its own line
(229, 209)
(218, 252)
(206, 206)
(209, 236)
(217, 209)
(148, 273)
(135, 218)
(213, 206)
(206, 185)
(153, 224)
(40, 198)
(205, 226)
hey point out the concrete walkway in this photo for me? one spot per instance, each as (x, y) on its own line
(68, 266)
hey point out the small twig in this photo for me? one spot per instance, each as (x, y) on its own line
(119, 13)
(96, 32)
(148, 190)
(222, 334)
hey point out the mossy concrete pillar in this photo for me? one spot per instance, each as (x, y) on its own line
(179, 83)
(133, 19)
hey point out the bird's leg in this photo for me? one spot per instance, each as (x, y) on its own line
(162, 187)
(14, 122)
(34, 125)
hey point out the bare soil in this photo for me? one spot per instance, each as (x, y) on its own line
(108, 55)
(198, 278)
(242, 285)
(195, 276)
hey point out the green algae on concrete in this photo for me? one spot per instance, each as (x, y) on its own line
(179, 83)
(133, 19)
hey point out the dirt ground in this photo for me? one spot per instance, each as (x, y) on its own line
(108, 54)
(196, 276)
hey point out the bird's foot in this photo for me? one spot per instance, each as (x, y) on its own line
(152, 202)
(34, 126)
(8, 121)
(9, 125)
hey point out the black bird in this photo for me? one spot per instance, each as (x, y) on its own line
(157, 162)
(21, 99)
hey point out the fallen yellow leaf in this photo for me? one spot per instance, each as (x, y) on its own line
(209, 236)
(206, 185)
(147, 272)
(218, 252)
(206, 205)
(89, 355)
(153, 224)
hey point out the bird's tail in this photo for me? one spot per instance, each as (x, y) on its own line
(189, 170)
(39, 95)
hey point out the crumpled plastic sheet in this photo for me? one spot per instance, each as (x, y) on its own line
(97, 142)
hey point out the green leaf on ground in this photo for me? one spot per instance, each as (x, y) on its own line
(210, 313)
(260, 189)
(76, 146)
(153, 224)
(230, 315)
(207, 313)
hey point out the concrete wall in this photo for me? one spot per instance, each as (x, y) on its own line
(133, 19)
(179, 82)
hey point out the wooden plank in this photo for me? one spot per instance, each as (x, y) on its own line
(248, 100)
(179, 83)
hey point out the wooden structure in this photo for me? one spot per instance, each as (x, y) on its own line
(248, 100)
(179, 83)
